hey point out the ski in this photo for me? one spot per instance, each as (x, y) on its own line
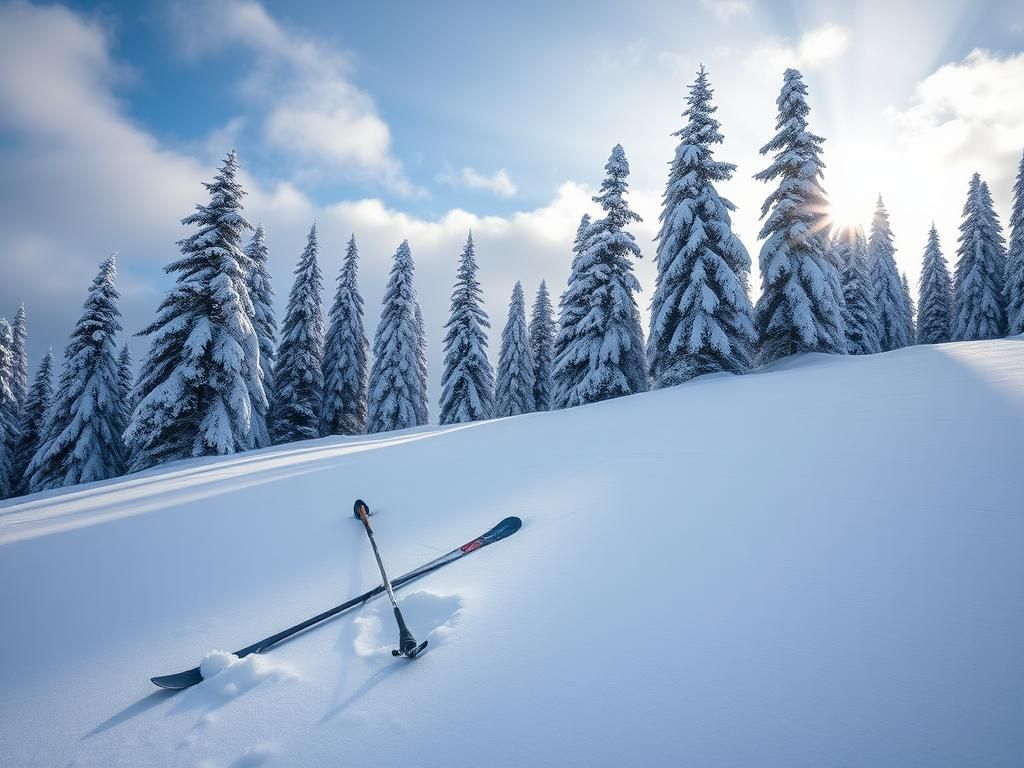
(502, 530)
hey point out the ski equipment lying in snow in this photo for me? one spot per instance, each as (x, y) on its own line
(407, 645)
(502, 530)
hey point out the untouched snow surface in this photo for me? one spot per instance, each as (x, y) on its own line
(819, 564)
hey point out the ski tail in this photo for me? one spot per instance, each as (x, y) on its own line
(502, 530)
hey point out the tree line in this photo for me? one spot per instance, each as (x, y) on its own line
(220, 377)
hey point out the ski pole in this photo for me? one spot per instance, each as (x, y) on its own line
(407, 645)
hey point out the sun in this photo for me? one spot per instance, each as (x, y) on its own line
(852, 193)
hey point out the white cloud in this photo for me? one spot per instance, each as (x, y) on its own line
(498, 183)
(970, 104)
(312, 110)
(727, 10)
(814, 49)
(822, 44)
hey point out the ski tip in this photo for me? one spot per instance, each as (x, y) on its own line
(179, 681)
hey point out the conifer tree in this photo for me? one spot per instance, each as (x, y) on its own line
(935, 311)
(700, 313)
(261, 294)
(346, 351)
(19, 372)
(1014, 288)
(298, 371)
(910, 310)
(200, 382)
(8, 428)
(849, 249)
(124, 381)
(571, 313)
(33, 421)
(979, 311)
(422, 408)
(467, 383)
(395, 376)
(514, 389)
(599, 349)
(542, 347)
(885, 282)
(81, 439)
(800, 308)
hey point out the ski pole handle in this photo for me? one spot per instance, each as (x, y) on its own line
(363, 513)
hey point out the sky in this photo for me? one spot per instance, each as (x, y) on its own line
(425, 120)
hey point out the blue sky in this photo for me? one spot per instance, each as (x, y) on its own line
(421, 120)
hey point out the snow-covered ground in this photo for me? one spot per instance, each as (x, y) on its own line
(820, 564)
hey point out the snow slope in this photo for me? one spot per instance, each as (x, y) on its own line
(819, 564)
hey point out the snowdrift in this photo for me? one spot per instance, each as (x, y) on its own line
(818, 564)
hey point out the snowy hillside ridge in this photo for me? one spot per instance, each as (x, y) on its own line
(817, 564)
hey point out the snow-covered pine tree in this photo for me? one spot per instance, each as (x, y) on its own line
(395, 376)
(298, 371)
(346, 351)
(700, 313)
(978, 304)
(910, 310)
(514, 390)
(935, 311)
(19, 370)
(8, 427)
(200, 382)
(82, 437)
(33, 421)
(542, 347)
(599, 348)
(849, 249)
(261, 294)
(572, 310)
(125, 381)
(885, 282)
(467, 383)
(801, 303)
(422, 408)
(1014, 288)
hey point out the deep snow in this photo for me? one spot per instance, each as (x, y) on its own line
(818, 564)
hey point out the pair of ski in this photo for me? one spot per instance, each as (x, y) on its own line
(407, 644)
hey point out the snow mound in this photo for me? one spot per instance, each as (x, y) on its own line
(429, 616)
(232, 676)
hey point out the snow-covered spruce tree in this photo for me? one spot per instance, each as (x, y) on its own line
(8, 427)
(978, 303)
(570, 313)
(885, 282)
(346, 351)
(261, 294)
(909, 309)
(935, 310)
(801, 303)
(422, 408)
(395, 377)
(1014, 288)
(125, 381)
(298, 397)
(200, 381)
(599, 348)
(542, 347)
(81, 440)
(514, 390)
(467, 383)
(700, 313)
(849, 249)
(33, 421)
(19, 364)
